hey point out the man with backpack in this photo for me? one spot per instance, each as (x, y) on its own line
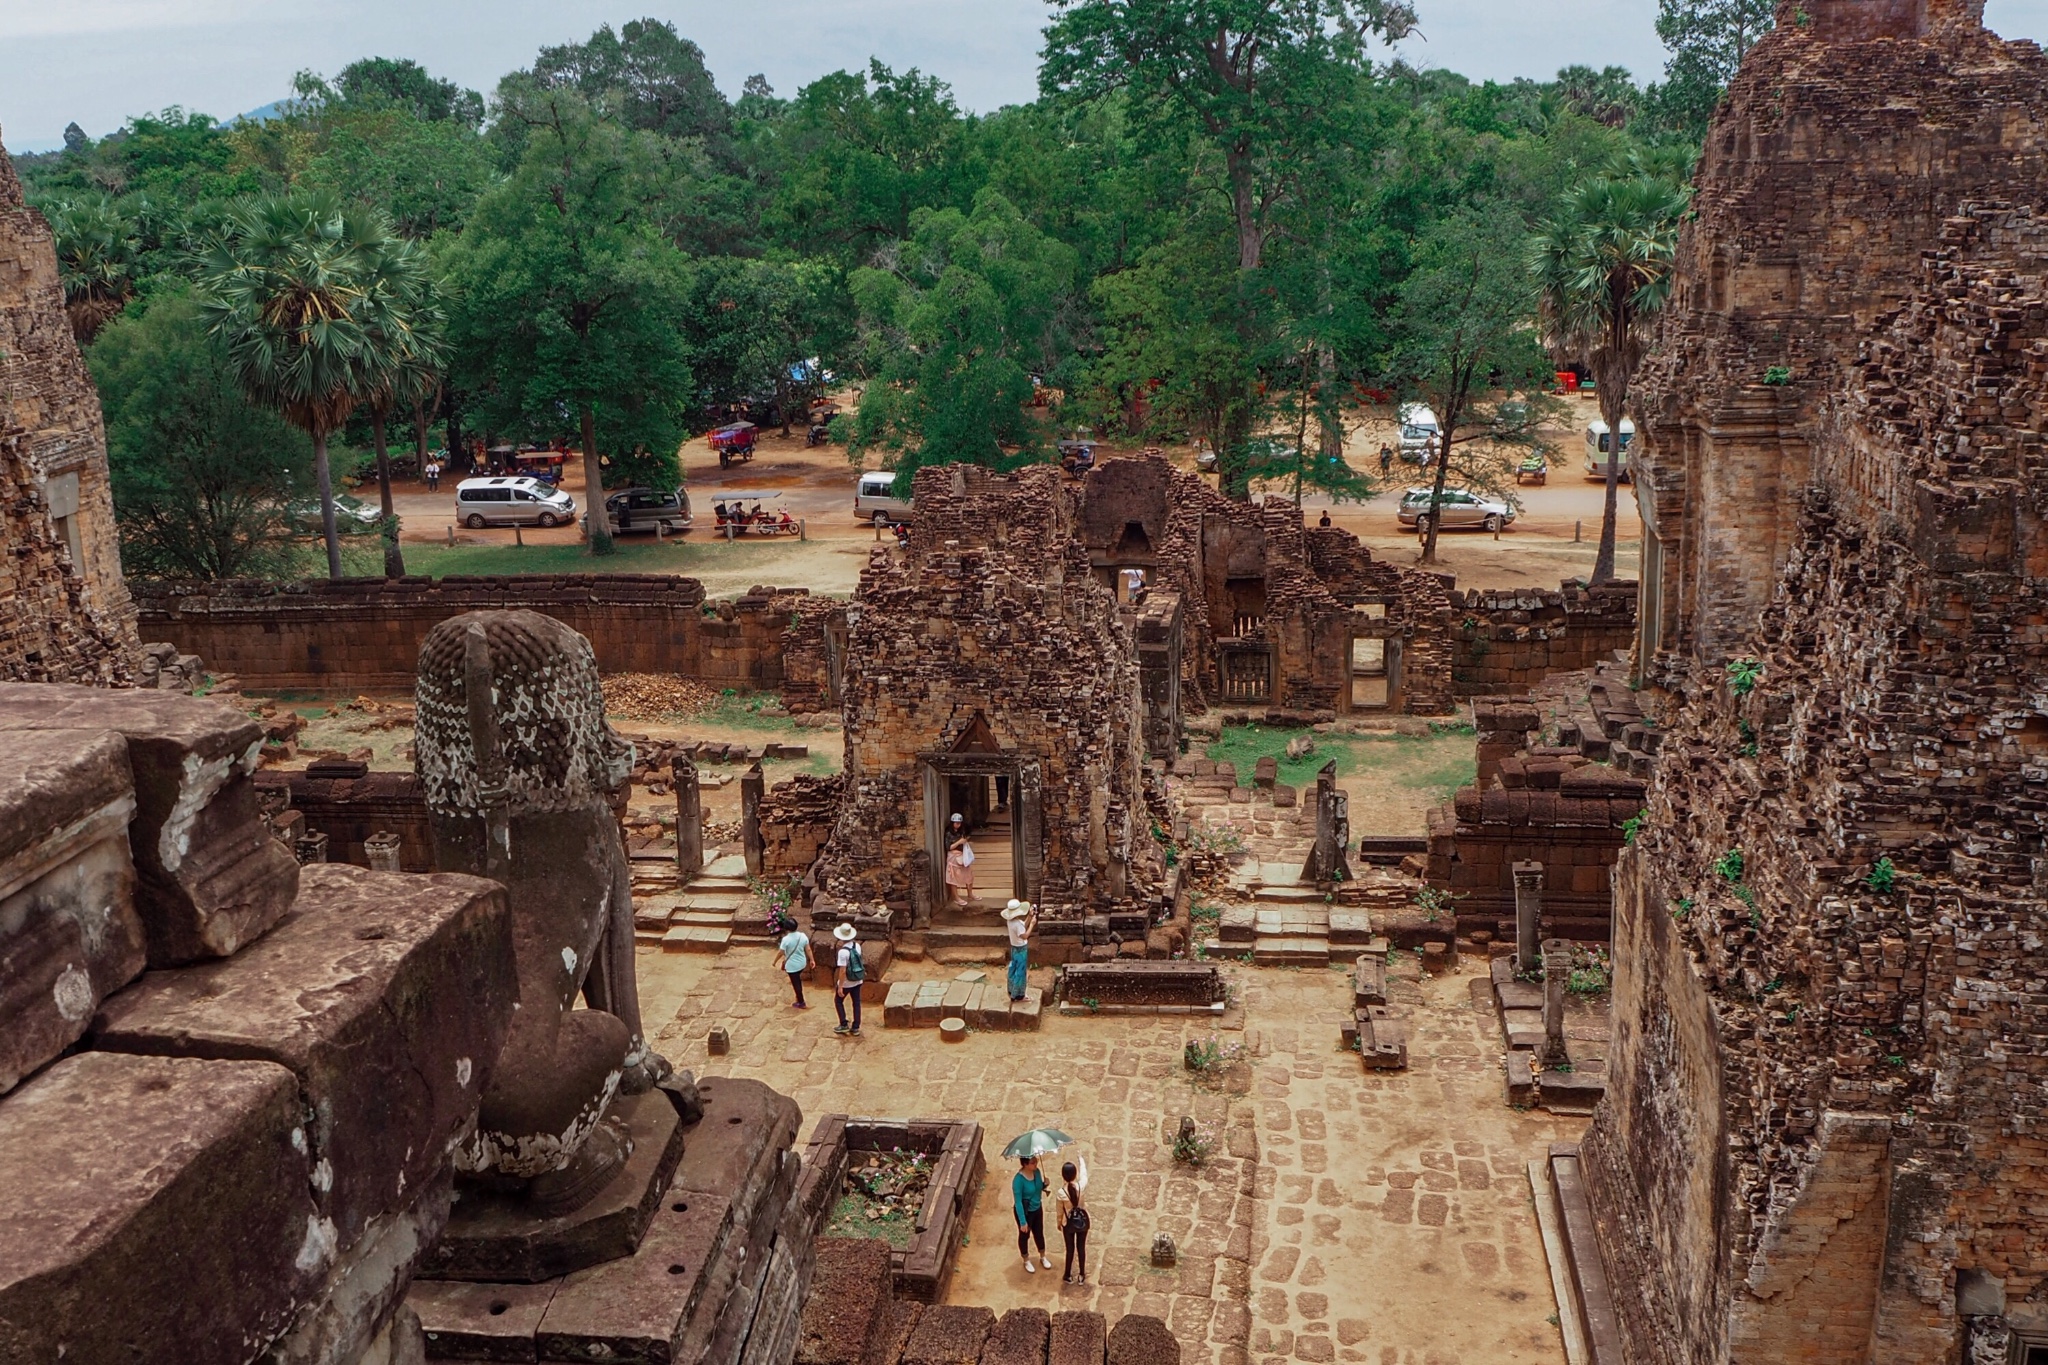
(847, 976)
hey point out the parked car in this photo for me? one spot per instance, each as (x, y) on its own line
(1458, 508)
(512, 500)
(352, 516)
(875, 500)
(643, 509)
(1597, 445)
(1419, 429)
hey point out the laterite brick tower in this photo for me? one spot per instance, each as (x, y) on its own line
(1825, 1137)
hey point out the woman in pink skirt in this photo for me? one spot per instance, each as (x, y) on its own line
(959, 864)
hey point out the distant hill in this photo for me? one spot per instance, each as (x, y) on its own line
(274, 109)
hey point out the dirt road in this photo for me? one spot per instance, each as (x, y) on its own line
(1554, 538)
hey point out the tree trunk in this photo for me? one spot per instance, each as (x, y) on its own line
(1330, 405)
(596, 529)
(394, 559)
(1613, 393)
(327, 529)
(419, 436)
(1452, 411)
(1250, 241)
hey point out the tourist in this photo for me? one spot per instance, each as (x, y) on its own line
(433, 472)
(1325, 521)
(794, 948)
(1027, 1195)
(1074, 1220)
(1386, 459)
(1023, 918)
(959, 864)
(847, 975)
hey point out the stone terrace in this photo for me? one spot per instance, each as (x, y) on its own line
(1343, 1217)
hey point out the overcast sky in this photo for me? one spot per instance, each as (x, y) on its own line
(97, 62)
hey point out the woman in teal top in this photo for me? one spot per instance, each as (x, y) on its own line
(1027, 1195)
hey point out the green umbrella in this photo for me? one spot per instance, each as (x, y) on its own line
(1037, 1142)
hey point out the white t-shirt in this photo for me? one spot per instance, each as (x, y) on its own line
(1080, 1180)
(1020, 936)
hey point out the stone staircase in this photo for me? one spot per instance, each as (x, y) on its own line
(1283, 923)
(715, 911)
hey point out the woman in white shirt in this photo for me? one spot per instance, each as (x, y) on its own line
(1073, 1215)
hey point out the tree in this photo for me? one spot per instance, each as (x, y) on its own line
(96, 250)
(411, 349)
(1708, 40)
(399, 83)
(204, 482)
(956, 320)
(570, 302)
(1463, 344)
(304, 293)
(754, 325)
(646, 75)
(1253, 74)
(1603, 268)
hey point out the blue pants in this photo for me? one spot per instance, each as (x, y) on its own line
(1020, 958)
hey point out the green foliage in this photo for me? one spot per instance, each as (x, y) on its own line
(1883, 877)
(1591, 974)
(1707, 40)
(203, 480)
(1205, 1057)
(1777, 376)
(954, 323)
(570, 305)
(402, 84)
(1729, 865)
(1633, 826)
(1743, 676)
(1191, 1146)
(1434, 902)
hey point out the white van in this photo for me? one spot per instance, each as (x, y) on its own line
(1597, 444)
(512, 500)
(875, 500)
(1418, 428)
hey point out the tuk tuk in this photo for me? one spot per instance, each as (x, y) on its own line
(734, 443)
(1532, 468)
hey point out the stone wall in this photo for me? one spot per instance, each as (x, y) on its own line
(364, 633)
(1510, 640)
(349, 809)
(1828, 933)
(796, 819)
(67, 617)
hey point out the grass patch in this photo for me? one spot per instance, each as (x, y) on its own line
(743, 711)
(850, 1218)
(1436, 764)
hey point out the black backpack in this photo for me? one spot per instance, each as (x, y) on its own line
(1077, 1217)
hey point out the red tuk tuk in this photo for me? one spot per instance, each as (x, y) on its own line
(734, 443)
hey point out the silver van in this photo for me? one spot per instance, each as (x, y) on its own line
(875, 500)
(512, 500)
(644, 509)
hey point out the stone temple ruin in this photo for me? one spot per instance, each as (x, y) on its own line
(407, 1116)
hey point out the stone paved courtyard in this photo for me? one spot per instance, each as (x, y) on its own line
(1340, 1217)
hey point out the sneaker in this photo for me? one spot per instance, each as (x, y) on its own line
(1047, 1263)
(1029, 1269)
(799, 1005)
(842, 1030)
(853, 1032)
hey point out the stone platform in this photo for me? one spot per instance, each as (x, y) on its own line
(977, 999)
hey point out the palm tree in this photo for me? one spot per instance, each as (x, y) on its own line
(95, 262)
(412, 359)
(1603, 269)
(314, 312)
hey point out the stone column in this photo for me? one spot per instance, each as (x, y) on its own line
(752, 787)
(689, 819)
(1528, 912)
(1557, 964)
(382, 850)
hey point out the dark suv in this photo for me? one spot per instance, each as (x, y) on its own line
(642, 509)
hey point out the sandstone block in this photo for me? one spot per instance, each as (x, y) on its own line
(154, 1208)
(898, 1008)
(1020, 1338)
(69, 934)
(210, 878)
(388, 996)
(1138, 1339)
(949, 1334)
(1078, 1339)
(847, 1314)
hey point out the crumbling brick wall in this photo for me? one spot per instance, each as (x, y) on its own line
(796, 818)
(1831, 1041)
(813, 653)
(1256, 585)
(990, 641)
(365, 633)
(67, 614)
(1510, 639)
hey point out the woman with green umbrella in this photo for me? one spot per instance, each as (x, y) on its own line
(1027, 1191)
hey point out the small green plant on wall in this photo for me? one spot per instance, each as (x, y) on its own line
(1743, 676)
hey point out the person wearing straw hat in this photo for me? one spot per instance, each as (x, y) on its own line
(848, 973)
(1022, 920)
